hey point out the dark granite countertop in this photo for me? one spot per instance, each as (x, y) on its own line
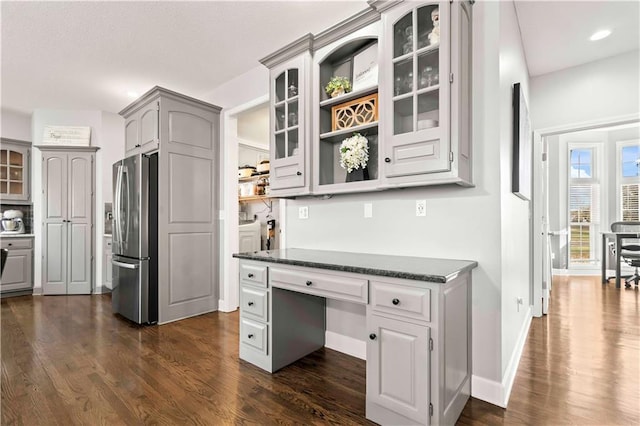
(407, 267)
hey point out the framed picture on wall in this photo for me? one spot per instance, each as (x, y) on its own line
(521, 178)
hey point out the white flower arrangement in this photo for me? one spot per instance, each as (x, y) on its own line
(354, 152)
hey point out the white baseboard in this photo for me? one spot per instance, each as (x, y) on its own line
(101, 289)
(498, 393)
(345, 344)
(37, 291)
(223, 306)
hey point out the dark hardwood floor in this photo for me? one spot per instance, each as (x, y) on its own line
(68, 360)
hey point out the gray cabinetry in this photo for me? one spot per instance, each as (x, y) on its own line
(418, 336)
(18, 271)
(68, 186)
(426, 97)
(15, 163)
(289, 74)
(142, 130)
(185, 131)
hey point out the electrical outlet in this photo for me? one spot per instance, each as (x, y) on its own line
(303, 212)
(421, 207)
(368, 210)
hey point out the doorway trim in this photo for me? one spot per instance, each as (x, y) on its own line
(538, 193)
(229, 269)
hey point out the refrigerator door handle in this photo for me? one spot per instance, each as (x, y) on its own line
(125, 265)
(116, 210)
(125, 176)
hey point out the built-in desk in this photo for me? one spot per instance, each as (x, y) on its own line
(618, 237)
(418, 316)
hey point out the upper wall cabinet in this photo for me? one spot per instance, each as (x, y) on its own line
(426, 98)
(15, 159)
(141, 130)
(338, 165)
(289, 75)
(403, 119)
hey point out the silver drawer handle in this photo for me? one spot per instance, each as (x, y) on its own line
(124, 265)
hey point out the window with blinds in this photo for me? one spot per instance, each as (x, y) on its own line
(629, 179)
(584, 206)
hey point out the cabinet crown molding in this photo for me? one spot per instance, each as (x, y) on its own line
(346, 27)
(15, 142)
(69, 148)
(382, 5)
(158, 91)
(291, 50)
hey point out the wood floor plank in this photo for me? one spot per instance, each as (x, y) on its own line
(68, 360)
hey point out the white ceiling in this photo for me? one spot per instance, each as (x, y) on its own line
(88, 55)
(555, 34)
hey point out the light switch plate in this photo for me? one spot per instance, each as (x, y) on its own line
(368, 210)
(303, 212)
(421, 207)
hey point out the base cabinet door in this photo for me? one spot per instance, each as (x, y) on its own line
(398, 367)
(17, 271)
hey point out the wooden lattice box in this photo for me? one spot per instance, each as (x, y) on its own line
(355, 113)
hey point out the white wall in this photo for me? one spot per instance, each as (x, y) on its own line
(242, 89)
(515, 225)
(15, 125)
(107, 132)
(593, 91)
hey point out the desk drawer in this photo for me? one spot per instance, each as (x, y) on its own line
(254, 334)
(325, 285)
(400, 300)
(16, 243)
(253, 274)
(254, 303)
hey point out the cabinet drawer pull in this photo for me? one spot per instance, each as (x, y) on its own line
(387, 160)
(250, 275)
(9, 244)
(395, 301)
(309, 283)
(299, 173)
(250, 336)
(250, 303)
(372, 336)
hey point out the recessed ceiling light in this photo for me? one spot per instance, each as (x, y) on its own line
(132, 94)
(599, 35)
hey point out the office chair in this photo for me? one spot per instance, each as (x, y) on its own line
(629, 253)
(4, 253)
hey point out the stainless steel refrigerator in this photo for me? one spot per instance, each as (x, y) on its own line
(135, 238)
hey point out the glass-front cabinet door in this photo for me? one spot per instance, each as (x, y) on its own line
(288, 100)
(418, 89)
(14, 172)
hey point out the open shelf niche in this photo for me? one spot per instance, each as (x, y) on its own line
(340, 63)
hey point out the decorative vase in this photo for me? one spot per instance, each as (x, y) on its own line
(358, 175)
(337, 92)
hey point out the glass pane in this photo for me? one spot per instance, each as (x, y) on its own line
(3, 157)
(15, 158)
(3, 187)
(293, 143)
(630, 161)
(15, 173)
(428, 26)
(428, 110)
(630, 204)
(403, 116)
(280, 118)
(580, 246)
(403, 77)
(281, 145)
(403, 36)
(428, 71)
(15, 188)
(292, 90)
(280, 88)
(292, 119)
(3, 172)
(581, 160)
